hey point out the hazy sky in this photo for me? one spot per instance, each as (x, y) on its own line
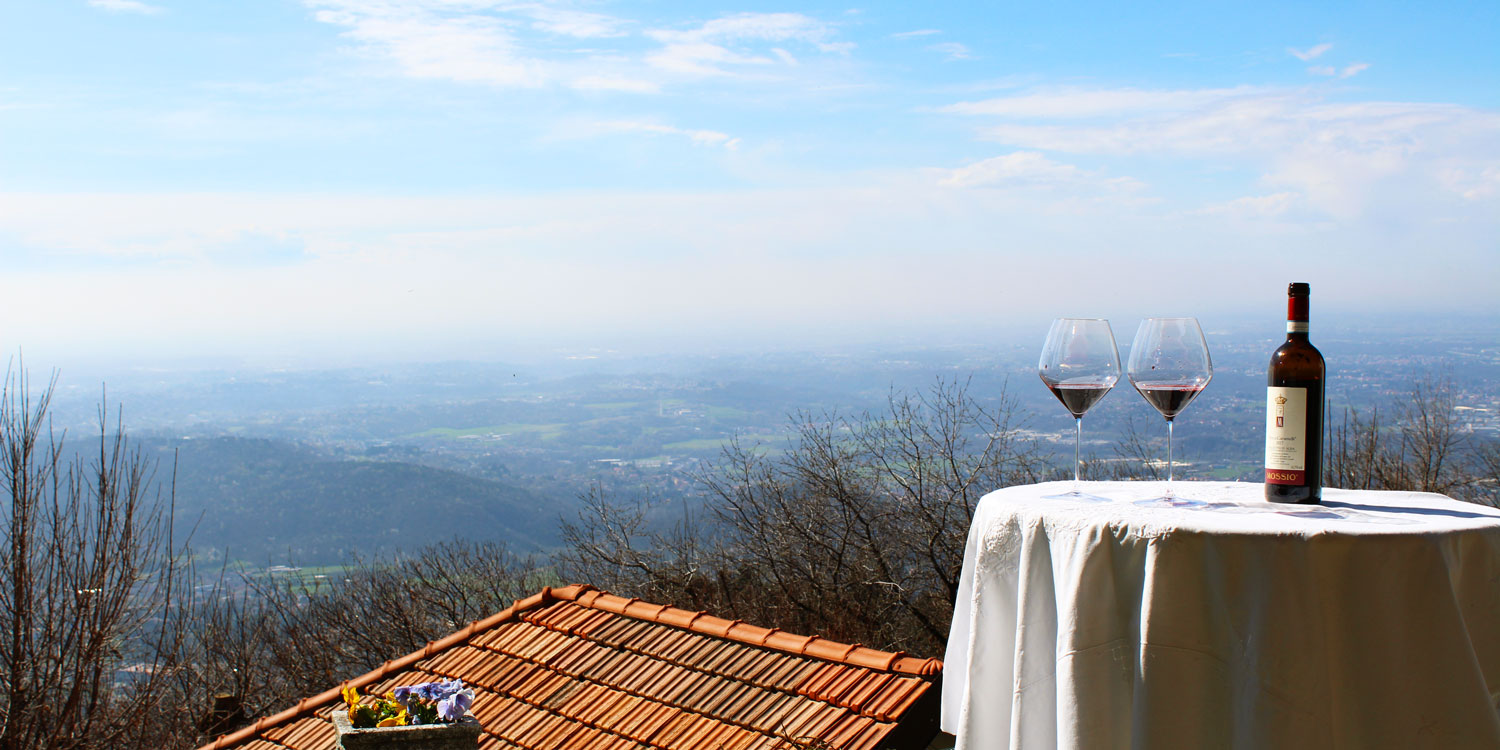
(440, 176)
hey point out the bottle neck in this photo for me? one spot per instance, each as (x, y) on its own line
(1296, 318)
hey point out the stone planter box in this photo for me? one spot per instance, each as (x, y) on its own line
(462, 735)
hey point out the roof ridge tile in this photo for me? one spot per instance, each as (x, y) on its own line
(782, 641)
(714, 626)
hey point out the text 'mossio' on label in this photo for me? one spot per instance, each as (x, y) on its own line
(1286, 435)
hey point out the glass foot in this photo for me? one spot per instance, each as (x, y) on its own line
(1171, 502)
(1315, 513)
(1075, 495)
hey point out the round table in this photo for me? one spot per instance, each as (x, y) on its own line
(1371, 621)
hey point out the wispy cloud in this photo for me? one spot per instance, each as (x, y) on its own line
(1310, 53)
(703, 59)
(428, 40)
(1473, 183)
(1254, 207)
(698, 137)
(614, 83)
(573, 23)
(1329, 71)
(770, 27)
(1072, 103)
(1033, 170)
(724, 45)
(515, 45)
(916, 33)
(952, 50)
(1353, 70)
(1345, 158)
(125, 6)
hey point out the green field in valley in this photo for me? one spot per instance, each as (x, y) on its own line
(546, 431)
(766, 440)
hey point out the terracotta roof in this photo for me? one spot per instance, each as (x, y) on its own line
(576, 667)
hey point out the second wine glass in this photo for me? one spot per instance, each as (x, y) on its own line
(1079, 363)
(1170, 366)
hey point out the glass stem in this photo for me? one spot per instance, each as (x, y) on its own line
(1169, 457)
(1077, 442)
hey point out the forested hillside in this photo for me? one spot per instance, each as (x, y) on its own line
(274, 501)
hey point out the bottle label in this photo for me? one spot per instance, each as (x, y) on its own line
(1296, 326)
(1286, 435)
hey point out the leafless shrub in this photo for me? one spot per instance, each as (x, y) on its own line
(1486, 486)
(856, 531)
(1136, 458)
(284, 636)
(92, 588)
(613, 544)
(1425, 448)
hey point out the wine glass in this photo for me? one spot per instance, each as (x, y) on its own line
(1079, 363)
(1170, 366)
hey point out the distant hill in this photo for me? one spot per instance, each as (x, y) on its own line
(272, 501)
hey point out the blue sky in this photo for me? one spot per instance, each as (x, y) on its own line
(451, 177)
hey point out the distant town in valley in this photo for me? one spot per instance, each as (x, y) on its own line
(310, 466)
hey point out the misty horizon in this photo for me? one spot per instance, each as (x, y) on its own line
(384, 348)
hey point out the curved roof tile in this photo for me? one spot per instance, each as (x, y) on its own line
(575, 667)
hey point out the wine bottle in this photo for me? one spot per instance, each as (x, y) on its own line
(1294, 410)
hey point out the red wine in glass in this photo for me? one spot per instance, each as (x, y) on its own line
(1169, 367)
(1078, 397)
(1170, 399)
(1079, 364)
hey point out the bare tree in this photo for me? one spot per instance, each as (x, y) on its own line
(1486, 486)
(91, 587)
(1426, 448)
(345, 624)
(615, 545)
(230, 679)
(1359, 456)
(1137, 459)
(856, 531)
(105, 644)
(1431, 438)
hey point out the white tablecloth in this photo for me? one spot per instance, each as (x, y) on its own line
(1372, 621)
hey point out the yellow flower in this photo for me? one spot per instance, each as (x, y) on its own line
(391, 722)
(351, 696)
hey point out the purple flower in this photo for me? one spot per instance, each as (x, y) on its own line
(452, 708)
(402, 695)
(429, 691)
